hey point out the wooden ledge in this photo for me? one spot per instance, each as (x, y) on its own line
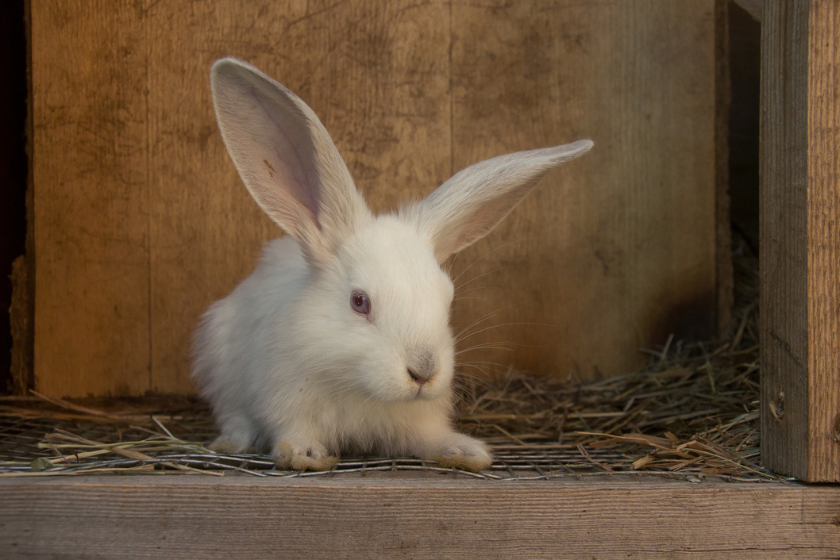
(413, 515)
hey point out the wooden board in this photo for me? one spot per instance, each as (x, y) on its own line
(141, 222)
(614, 251)
(414, 517)
(90, 175)
(800, 244)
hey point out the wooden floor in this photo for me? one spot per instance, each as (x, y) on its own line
(397, 515)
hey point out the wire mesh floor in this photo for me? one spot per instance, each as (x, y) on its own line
(35, 446)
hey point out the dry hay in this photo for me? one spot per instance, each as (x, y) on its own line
(692, 411)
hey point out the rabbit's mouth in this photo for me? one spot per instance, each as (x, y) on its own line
(424, 393)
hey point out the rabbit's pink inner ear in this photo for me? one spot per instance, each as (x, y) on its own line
(294, 218)
(285, 183)
(282, 127)
(285, 157)
(475, 219)
(473, 202)
(270, 141)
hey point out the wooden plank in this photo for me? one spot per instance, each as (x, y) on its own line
(800, 246)
(414, 517)
(91, 216)
(206, 231)
(784, 247)
(614, 251)
(824, 241)
(376, 73)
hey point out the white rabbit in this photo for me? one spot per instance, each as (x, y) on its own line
(340, 340)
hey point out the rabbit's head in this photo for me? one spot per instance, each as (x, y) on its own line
(380, 312)
(376, 306)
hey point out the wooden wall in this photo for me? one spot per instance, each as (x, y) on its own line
(141, 222)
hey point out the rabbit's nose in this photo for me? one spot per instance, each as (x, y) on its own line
(421, 364)
(416, 378)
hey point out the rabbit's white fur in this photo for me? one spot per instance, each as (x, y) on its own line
(285, 361)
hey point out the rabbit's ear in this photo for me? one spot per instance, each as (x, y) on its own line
(470, 204)
(286, 158)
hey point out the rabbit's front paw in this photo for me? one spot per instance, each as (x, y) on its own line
(303, 456)
(462, 452)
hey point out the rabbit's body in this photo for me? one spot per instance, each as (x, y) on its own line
(277, 364)
(340, 339)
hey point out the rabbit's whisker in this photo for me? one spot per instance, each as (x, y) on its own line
(490, 379)
(491, 251)
(482, 298)
(473, 324)
(462, 334)
(489, 345)
(500, 325)
(452, 263)
(479, 368)
(474, 288)
(477, 278)
(495, 364)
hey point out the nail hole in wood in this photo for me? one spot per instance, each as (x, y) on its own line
(777, 406)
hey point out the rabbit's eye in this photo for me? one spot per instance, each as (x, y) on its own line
(360, 302)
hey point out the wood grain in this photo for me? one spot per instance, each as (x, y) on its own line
(414, 517)
(90, 176)
(614, 251)
(800, 246)
(824, 241)
(142, 221)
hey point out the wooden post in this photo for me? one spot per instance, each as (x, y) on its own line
(800, 239)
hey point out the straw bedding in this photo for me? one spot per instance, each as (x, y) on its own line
(691, 412)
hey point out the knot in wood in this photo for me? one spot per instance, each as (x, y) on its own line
(777, 406)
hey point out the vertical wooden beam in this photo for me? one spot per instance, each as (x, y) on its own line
(800, 241)
(90, 220)
(824, 238)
